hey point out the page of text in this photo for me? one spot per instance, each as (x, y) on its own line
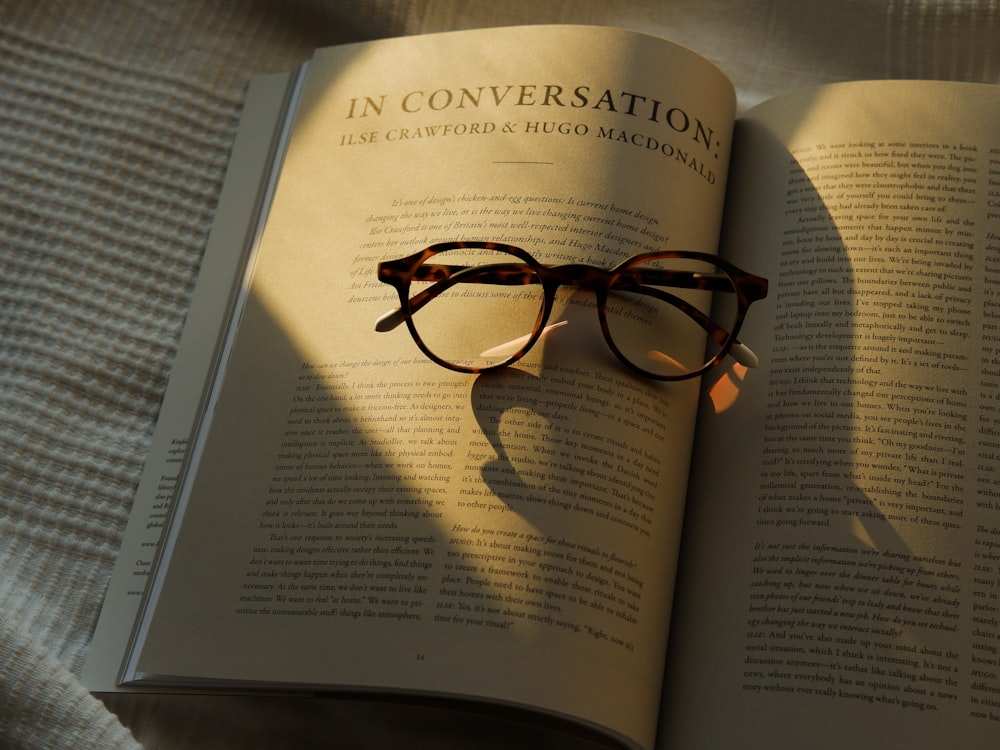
(842, 577)
(364, 518)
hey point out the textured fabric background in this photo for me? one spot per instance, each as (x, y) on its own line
(116, 120)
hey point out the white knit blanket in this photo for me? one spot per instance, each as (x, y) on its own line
(116, 120)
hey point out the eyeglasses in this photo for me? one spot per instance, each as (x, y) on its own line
(479, 306)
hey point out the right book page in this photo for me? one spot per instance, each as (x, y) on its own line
(840, 581)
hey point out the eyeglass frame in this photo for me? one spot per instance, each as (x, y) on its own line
(400, 273)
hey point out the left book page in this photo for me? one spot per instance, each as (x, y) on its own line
(357, 517)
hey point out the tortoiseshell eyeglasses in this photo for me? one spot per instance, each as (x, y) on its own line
(478, 306)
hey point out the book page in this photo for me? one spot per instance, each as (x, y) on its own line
(841, 582)
(364, 518)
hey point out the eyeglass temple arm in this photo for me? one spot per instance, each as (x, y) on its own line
(517, 275)
(448, 276)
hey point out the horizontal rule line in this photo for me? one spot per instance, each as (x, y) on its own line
(524, 162)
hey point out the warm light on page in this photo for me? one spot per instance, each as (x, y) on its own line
(861, 533)
(512, 346)
(726, 389)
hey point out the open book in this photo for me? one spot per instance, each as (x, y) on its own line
(802, 554)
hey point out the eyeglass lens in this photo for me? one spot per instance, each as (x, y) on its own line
(487, 311)
(663, 326)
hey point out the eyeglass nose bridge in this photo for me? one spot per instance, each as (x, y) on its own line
(576, 275)
(581, 277)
